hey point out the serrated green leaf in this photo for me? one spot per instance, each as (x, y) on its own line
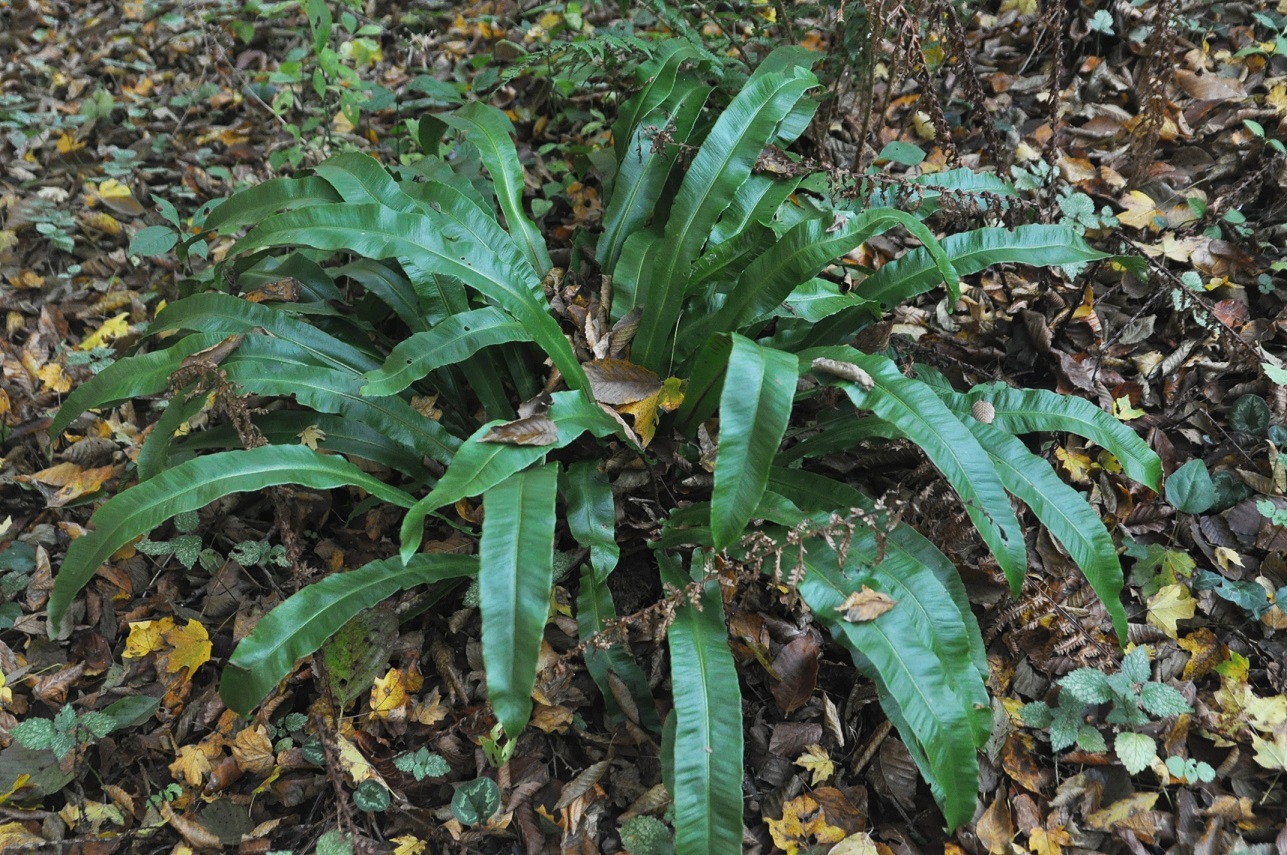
(1090, 739)
(34, 733)
(1162, 700)
(1135, 750)
(1087, 685)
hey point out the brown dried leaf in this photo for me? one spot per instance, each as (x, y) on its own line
(533, 430)
(865, 605)
(616, 381)
(996, 828)
(796, 667)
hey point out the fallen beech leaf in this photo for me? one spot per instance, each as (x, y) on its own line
(118, 197)
(995, 827)
(111, 329)
(865, 605)
(533, 430)
(389, 694)
(796, 671)
(616, 381)
(1121, 812)
(253, 751)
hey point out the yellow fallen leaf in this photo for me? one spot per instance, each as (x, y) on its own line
(1123, 410)
(858, 843)
(311, 436)
(1049, 841)
(1075, 463)
(253, 751)
(14, 837)
(409, 844)
(118, 197)
(803, 821)
(1171, 604)
(53, 378)
(112, 329)
(190, 645)
(388, 694)
(1141, 212)
(1271, 755)
(191, 766)
(146, 637)
(816, 761)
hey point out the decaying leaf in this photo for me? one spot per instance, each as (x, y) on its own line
(865, 605)
(533, 430)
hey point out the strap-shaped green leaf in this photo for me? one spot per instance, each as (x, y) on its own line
(904, 547)
(914, 409)
(193, 485)
(1063, 511)
(454, 340)
(805, 250)
(1028, 410)
(478, 466)
(920, 688)
(658, 78)
(592, 515)
(145, 374)
(388, 283)
(302, 624)
(1036, 244)
(252, 206)
(154, 454)
(707, 753)
(378, 232)
(490, 131)
(753, 202)
(223, 313)
(642, 172)
(270, 366)
(701, 396)
(837, 436)
(283, 427)
(515, 574)
(754, 409)
(594, 611)
(721, 165)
